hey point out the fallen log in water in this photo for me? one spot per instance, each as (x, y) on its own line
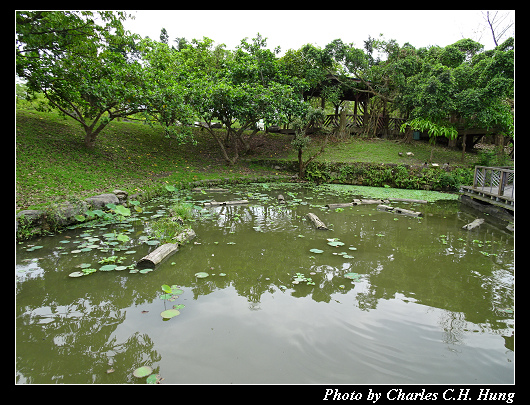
(409, 200)
(316, 221)
(472, 225)
(211, 190)
(218, 203)
(367, 201)
(407, 212)
(397, 210)
(160, 253)
(157, 255)
(340, 205)
(185, 235)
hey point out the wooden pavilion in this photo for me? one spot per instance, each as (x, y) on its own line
(352, 89)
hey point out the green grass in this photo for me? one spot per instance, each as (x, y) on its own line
(385, 151)
(53, 164)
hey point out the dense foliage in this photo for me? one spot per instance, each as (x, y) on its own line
(87, 66)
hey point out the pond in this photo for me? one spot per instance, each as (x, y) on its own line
(398, 300)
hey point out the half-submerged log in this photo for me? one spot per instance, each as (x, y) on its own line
(409, 200)
(218, 203)
(340, 205)
(211, 190)
(162, 252)
(407, 212)
(156, 256)
(397, 210)
(367, 201)
(185, 235)
(472, 225)
(316, 221)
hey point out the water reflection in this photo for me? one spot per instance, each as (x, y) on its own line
(425, 275)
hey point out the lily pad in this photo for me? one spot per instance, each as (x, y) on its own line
(153, 242)
(169, 313)
(336, 243)
(108, 267)
(316, 251)
(166, 288)
(347, 256)
(119, 268)
(141, 372)
(178, 306)
(222, 274)
(201, 274)
(352, 276)
(152, 379)
(121, 210)
(76, 274)
(122, 238)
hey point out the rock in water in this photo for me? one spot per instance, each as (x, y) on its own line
(99, 201)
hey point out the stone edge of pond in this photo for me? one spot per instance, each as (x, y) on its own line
(57, 216)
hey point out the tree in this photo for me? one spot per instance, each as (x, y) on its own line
(497, 25)
(165, 92)
(247, 88)
(54, 47)
(460, 85)
(164, 36)
(311, 116)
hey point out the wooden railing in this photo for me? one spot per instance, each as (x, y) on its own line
(495, 181)
(357, 121)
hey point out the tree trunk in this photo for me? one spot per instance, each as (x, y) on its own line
(342, 123)
(432, 149)
(408, 135)
(316, 221)
(464, 141)
(300, 164)
(223, 149)
(90, 138)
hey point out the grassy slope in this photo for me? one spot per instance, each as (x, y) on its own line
(383, 151)
(52, 162)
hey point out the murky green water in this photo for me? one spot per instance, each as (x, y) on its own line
(432, 303)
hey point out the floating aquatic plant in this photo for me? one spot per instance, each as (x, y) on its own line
(143, 371)
(299, 278)
(201, 274)
(316, 251)
(169, 313)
